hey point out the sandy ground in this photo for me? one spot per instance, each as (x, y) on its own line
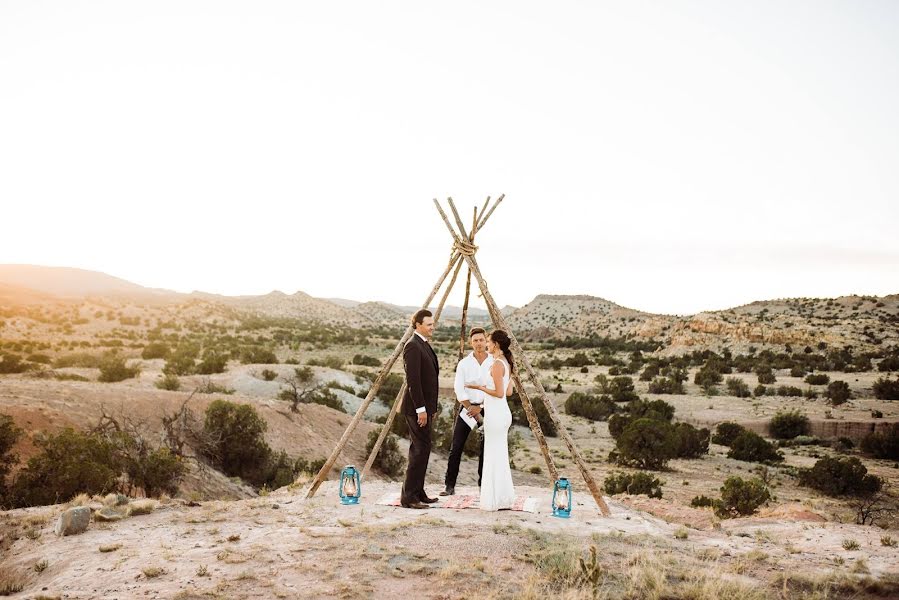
(287, 547)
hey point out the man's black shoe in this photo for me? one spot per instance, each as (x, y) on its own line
(414, 505)
(427, 500)
(450, 491)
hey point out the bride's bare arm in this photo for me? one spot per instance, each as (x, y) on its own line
(496, 371)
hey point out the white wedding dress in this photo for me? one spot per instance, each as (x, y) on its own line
(497, 491)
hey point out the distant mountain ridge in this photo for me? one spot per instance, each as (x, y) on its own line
(858, 321)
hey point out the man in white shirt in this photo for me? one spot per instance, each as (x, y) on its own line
(474, 368)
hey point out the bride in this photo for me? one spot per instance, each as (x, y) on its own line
(497, 491)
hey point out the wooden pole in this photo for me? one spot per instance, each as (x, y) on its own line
(500, 321)
(385, 429)
(376, 385)
(467, 290)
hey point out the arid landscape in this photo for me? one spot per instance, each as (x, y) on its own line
(810, 386)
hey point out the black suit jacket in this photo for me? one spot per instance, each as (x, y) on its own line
(422, 369)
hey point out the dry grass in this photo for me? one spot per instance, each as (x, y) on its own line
(151, 572)
(142, 507)
(41, 566)
(109, 547)
(10, 583)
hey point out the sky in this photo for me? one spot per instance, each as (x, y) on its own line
(672, 157)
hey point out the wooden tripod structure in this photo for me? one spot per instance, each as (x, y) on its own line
(464, 252)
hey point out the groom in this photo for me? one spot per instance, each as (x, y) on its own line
(474, 368)
(419, 407)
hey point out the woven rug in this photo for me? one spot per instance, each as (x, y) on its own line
(459, 501)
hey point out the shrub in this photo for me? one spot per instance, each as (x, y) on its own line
(238, 440)
(797, 371)
(389, 461)
(11, 363)
(212, 363)
(759, 391)
(333, 362)
(883, 443)
(890, 363)
(113, 368)
(9, 435)
(390, 387)
(634, 484)
(169, 382)
(707, 377)
(787, 425)
(737, 387)
(691, 442)
(181, 361)
(366, 361)
(741, 497)
(520, 418)
(622, 389)
(77, 359)
(647, 444)
(666, 385)
(155, 350)
(765, 375)
(838, 392)
(590, 407)
(67, 464)
(650, 372)
(257, 355)
(886, 389)
(155, 471)
(751, 447)
(702, 501)
(268, 374)
(817, 379)
(844, 476)
(726, 433)
(789, 390)
(210, 387)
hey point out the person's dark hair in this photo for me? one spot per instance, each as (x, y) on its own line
(419, 317)
(505, 344)
(476, 330)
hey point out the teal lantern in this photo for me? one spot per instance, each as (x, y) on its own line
(562, 499)
(350, 485)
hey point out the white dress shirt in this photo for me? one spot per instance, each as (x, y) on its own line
(469, 371)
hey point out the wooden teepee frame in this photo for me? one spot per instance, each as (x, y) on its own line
(464, 251)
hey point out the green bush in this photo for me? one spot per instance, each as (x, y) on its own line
(182, 360)
(751, 447)
(817, 379)
(759, 391)
(326, 397)
(333, 362)
(11, 363)
(390, 387)
(9, 435)
(622, 389)
(702, 501)
(634, 484)
(666, 385)
(844, 476)
(268, 374)
(67, 464)
(155, 350)
(520, 418)
(740, 497)
(590, 407)
(113, 368)
(257, 355)
(765, 375)
(707, 377)
(789, 390)
(738, 387)
(797, 371)
(169, 382)
(883, 443)
(366, 361)
(726, 433)
(153, 470)
(212, 363)
(886, 389)
(647, 444)
(691, 442)
(389, 461)
(889, 363)
(787, 425)
(237, 435)
(838, 392)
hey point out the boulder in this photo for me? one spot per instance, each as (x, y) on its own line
(73, 521)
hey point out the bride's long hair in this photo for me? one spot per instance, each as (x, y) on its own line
(498, 336)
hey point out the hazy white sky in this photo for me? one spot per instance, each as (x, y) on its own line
(668, 156)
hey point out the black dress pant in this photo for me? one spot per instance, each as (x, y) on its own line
(460, 436)
(419, 454)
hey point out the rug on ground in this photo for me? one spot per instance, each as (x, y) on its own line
(459, 501)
